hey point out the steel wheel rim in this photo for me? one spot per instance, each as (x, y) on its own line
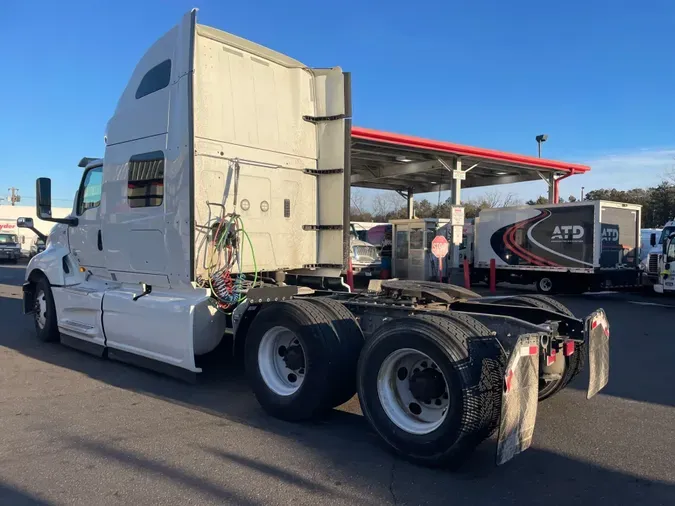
(545, 284)
(283, 374)
(40, 309)
(409, 413)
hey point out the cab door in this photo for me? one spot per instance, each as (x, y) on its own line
(79, 306)
(86, 241)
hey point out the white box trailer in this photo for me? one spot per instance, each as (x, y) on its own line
(571, 247)
(221, 200)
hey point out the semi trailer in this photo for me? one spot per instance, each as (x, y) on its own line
(222, 197)
(571, 247)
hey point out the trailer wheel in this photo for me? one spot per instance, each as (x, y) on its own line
(351, 342)
(291, 352)
(546, 285)
(423, 392)
(44, 311)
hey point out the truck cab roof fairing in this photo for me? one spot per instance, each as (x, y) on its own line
(120, 127)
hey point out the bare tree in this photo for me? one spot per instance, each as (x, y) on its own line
(491, 198)
(358, 208)
(511, 199)
(385, 204)
(357, 201)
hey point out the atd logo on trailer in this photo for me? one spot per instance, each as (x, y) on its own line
(610, 234)
(567, 233)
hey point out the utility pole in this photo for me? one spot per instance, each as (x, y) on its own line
(14, 196)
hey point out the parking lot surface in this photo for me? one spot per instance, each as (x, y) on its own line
(75, 429)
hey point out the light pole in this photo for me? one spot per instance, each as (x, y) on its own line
(582, 193)
(540, 138)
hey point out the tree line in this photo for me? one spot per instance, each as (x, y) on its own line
(658, 204)
(390, 206)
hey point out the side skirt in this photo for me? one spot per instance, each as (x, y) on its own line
(153, 365)
(81, 345)
(98, 350)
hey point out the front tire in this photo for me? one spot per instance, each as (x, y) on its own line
(44, 312)
(423, 392)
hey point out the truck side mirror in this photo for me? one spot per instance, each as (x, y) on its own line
(24, 223)
(43, 197)
(43, 203)
(28, 223)
(652, 240)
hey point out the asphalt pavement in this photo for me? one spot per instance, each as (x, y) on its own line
(75, 429)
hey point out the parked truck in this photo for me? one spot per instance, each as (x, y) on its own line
(10, 247)
(365, 257)
(225, 180)
(571, 247)
(652, 265)
(661, 260)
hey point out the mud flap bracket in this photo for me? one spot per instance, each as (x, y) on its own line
(519, 398)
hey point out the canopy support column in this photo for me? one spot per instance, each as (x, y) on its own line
(411, 204)
(551, 190)
(455, 276)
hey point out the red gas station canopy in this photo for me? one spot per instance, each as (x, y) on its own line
(394, 161)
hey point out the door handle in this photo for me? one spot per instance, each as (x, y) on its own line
(100, 241)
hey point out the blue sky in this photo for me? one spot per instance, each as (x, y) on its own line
(597, 77)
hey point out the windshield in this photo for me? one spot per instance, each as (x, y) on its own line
(8, 238)
(665, 233)
(670, 254)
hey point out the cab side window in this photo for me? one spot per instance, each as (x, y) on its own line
(90, 192)
(157, 78)
(145, 183)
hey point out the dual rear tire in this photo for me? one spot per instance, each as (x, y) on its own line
(430, 386)
(301, 355)
(572, 364)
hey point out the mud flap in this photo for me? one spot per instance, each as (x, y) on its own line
(519, 400)
(597, 330)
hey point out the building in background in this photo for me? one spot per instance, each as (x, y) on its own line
(9, 215)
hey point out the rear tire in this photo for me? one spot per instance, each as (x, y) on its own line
(573, 363)
(429, 422)
(291, 354)
(351, 340)
(44, 312)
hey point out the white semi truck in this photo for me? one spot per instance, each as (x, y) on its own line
(652, 265)
(222, 197)
(664, 260)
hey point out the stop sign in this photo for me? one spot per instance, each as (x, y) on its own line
(439, 246)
